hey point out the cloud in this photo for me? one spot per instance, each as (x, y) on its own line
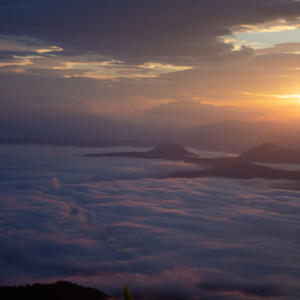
(139, 32)
(204, 112)
(290, 97)
(21, 44)
(17, 52)
(212, 84)
(110, 221)
(270, 26)
(188, 113)
(260, 290)
(281, 48)
(146, 53)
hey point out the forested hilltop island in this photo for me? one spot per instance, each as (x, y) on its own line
(60, 290)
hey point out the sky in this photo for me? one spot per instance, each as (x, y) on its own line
(102, 222)
(149, 61)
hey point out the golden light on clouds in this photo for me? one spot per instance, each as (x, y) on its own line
(264, 35)
(21, 61)
(86, 66)
(289, 97)
(51, 49)
(55, 183)
(24, 43)
(273, 26)
(164, 67)
(113, 69)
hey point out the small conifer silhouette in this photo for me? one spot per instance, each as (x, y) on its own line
(127, 294)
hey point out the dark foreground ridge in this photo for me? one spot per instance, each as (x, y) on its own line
(167, 151)
(61, 290)
(270, 153)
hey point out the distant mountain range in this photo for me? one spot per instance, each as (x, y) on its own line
(89, 129)
(237, 167)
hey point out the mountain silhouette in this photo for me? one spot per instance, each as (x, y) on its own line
(239, 169)
(61, 290)
(229, 136)
(270, 153)
(226, 167)
(169, 151)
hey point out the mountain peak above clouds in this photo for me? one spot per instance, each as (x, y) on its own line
(169, 151)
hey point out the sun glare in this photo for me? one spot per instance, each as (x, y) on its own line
(290, 97)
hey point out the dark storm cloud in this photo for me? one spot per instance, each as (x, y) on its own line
(140, 31)
(210, 238)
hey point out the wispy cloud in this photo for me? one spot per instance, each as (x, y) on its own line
(271, 26)
(290, 97)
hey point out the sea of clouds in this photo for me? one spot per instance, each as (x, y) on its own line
(104, 222)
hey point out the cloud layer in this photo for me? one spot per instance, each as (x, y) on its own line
(102, 222)
(141, 31)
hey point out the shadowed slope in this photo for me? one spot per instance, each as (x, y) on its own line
(239, 169)
(270, 153)
(167, 151)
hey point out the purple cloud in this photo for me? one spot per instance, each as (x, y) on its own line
(211, 238)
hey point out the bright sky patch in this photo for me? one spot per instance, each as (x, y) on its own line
(266, 39)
